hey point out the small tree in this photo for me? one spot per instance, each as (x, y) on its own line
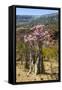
(35, 41)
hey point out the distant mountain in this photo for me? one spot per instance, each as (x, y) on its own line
(23, 18)
(30, 20)
(46, 19)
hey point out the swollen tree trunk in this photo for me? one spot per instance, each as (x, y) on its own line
(40, 62)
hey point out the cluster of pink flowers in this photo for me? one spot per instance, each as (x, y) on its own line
(38, 33)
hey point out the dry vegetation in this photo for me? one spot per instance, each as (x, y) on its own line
(42, 43)
(49, 62)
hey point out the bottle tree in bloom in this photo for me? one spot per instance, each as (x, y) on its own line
(35, 40)
(39, 32)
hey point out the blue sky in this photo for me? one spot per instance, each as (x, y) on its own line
(27, 11)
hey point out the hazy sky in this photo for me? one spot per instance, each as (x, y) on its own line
(27, 11)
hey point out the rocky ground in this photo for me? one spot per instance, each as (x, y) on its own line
(51, 73)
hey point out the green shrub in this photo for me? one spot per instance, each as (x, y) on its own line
(50, 52)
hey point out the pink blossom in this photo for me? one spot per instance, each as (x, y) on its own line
(38, 34)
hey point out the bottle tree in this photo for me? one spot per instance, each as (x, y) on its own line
(35, 40)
